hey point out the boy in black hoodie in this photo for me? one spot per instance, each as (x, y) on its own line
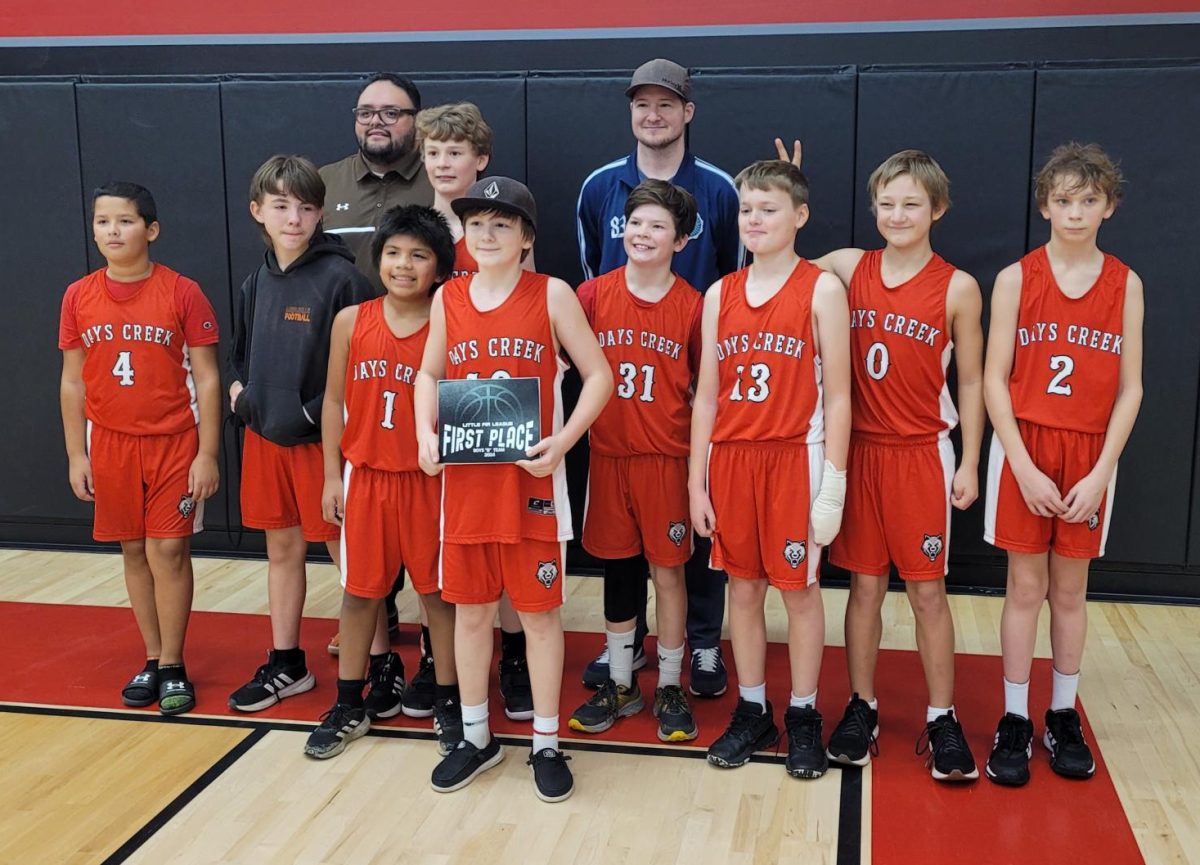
(278, 364)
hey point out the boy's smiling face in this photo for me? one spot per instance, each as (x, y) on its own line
(650, 235)
(407, 267)
(495, 238)
(121, 235)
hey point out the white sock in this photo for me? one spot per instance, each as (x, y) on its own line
(545, 733)
(1065, 688)
(620, 657)
(475, 724)
(809, 702)
(1016, 698)
(754, 694)
(670, 664)
(874, 704)
(932, 713)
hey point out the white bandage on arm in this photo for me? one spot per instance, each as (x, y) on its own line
(825, 515)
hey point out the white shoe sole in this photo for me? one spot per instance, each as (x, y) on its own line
(357, 733)
(298, 687)
(483, 767)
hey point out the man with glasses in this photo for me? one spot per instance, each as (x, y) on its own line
(385, 172)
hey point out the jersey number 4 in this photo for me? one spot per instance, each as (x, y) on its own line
(756, 392)
(628, 385)
(123, 369)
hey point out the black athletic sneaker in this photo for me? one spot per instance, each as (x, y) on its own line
(597, 673)
(749, 730)
(447, 723)
(460, 766)
(340, 726)
(708, 677)
(1009, 760)
(675, 721)
(1070, 755)
(552, 780)
(515, 689)
(950, 756)
(610, 703)
(272, 682)
(418, 696)
(806, 753)
(385, 686)
(854, 739)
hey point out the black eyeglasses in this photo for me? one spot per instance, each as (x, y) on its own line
(388, 116)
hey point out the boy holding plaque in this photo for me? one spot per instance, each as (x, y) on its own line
(503, 525)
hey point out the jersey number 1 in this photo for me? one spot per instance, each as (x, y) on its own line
(123, 369)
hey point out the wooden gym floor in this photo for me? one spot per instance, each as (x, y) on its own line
(86, 786)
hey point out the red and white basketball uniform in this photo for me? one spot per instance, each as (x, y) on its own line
(140, 399)
(767, 454)
(502, 528)
(1065, 373)
(637, 499)
(392, 508)
(464, 263)
(901, 461)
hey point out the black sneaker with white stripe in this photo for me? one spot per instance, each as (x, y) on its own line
(272, 682)
(340, 726)
(385, 686)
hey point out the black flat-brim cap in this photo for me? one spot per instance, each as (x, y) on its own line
(498, 193)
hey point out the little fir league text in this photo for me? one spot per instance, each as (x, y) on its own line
(487, 440)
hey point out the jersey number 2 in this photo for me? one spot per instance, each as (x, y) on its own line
(1064, 366)
(123, 369)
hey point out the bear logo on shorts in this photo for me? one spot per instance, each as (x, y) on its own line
(677, 531)
(547, 572)
(794, 552)
(1093, 521)
(186, 505)
(932, 546)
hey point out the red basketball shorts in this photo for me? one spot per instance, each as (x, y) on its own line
(638, 504)
(281, 487)
(1065, 457)
(391, 519)
(761, 494)
(531, 572)
(141, 485)
(897, 507)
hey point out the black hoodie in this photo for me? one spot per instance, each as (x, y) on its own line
(281, 328)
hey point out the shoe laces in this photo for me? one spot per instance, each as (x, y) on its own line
(942, 735)
(1069, 731)
(856, 723)
(546, 755)
(707, 660)
(804, 728)
(745, 716)
(673, 700)
(605, 696)
(263, 675)
(1010, 735)
(381, 674)
(337, 717)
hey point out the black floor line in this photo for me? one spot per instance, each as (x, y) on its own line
(850, 817)
(177, 804)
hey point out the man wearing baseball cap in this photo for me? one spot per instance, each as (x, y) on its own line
(660, 104)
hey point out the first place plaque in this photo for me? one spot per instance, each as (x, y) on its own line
(488, 420)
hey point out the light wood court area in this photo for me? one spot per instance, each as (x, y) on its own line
(72, 790)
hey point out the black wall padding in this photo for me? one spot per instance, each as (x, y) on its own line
(45, 233)
(1149, 119)
(977, 124)
(166, 137)
(738, 117)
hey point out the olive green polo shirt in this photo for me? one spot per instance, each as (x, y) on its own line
(356, 198)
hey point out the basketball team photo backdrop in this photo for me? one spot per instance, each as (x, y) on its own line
(191, 106)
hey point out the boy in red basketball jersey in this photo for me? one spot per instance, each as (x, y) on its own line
(278, 365)
(1063, 384)
(456, 144)
(141, 407)
(908, 308)
(387, 507)
(503, 526)
(767, 477)
(647, 320)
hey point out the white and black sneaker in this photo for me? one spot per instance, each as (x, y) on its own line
(460, 766)
(340, 726)
(385, 686)
(272, 682)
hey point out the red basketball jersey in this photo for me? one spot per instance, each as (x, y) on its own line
(464, 262)
(769, 377)
(899, 349)
(651, 348)
(137, 375)
(381, 372)
(1067, 356)
(504, 503)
